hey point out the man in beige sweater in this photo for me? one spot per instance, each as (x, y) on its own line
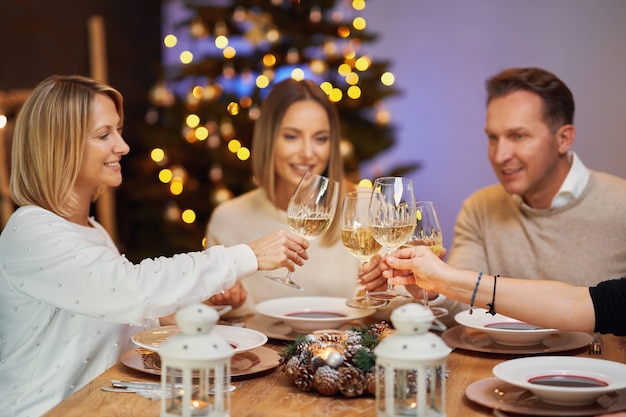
(550, 217)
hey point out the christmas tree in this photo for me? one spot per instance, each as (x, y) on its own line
(194, 150)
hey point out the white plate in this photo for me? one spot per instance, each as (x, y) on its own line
(307, 314)
(595, 378)
(502, 329)
(245, 363)
(241, 339)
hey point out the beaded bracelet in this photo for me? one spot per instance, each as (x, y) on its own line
(492, 304)
(480, 275)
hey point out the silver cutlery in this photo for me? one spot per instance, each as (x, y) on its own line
(595, 347)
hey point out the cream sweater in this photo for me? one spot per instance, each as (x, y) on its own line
(581, 243)
(330, 270)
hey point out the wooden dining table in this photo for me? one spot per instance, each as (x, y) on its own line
(270, 394)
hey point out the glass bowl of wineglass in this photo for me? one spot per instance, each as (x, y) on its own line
(427, 233)
(357, 237)
(392, 217)
(310, 212)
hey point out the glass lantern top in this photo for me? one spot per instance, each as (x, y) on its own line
(412, 342)
(196, 342)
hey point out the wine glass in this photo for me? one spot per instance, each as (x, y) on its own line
(392, 217)
(356, 235)
(310, 211)
(427, 233)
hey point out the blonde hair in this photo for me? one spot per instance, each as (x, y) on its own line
(50, 133)
(273, 109)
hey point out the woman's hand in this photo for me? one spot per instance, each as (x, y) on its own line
(371, 275)
(413, 267)
(280, 249)
(234, 296)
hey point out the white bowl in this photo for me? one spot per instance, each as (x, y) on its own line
(502, 329)
(307, 314)
(578, 380)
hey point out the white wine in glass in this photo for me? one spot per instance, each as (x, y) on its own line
(427, 233)
(310, 212)
(392, 217)
(357, 237)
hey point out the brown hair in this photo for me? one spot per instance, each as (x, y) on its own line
(273, 109)
(50, 132)
(558, 101)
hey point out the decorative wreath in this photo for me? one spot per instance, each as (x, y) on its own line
(335, 361)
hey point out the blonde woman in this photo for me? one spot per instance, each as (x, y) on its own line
(69, 302)
(298, 131)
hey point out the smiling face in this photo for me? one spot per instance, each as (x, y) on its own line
(104, 147)
(527, 157)
(302, 144)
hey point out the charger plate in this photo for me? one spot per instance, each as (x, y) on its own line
(499, 395)
(462, 337)
(245, 363)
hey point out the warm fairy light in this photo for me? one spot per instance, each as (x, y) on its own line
(293, 56)
(197, 92)
(234, 145)
(330, 48)
(254, 113)
(188, 216)
(190, 136)
(214, 141)
(229, 52)
(202, 133)
(382, 117)
(269, 60)
(349, 53)
(272, 35)
(221, 42)
(229, 71)
(316, 15)
(352, 78)
(343, 31)
(176, 186)
(192, 120)
(243, 153)
(157, 154)
(297, 74)
(365, 183)
(335, 95)
(3, 121)
(358, 4)
(359, 23)
(362, 63)
(326, 87)
(170, 41)
(262, 81)
(245, 101)
(387, 78)
(233, 108)
(165, 175)
(318, 66)
(354, 92)
(186, 57)
(344, 69)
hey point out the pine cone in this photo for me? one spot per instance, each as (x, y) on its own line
(349, 351)
(305, 357)
(291, 368)
(370, 383)
(303, 378)
(326, 380)
(351, 381)
(352, 337)
(317, 362)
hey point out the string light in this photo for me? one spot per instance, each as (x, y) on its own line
(186, 57)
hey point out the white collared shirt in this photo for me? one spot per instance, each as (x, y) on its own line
(573, 186)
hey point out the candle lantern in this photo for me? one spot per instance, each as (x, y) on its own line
(195, 367)
(411, 366)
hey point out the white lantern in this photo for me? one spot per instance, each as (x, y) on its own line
(195, 367)
(411, 366)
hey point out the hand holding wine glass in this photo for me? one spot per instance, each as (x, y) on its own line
(427, 233)
(310, 211)
(392, 217)
(357, 237)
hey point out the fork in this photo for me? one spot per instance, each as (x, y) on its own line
(595, 347)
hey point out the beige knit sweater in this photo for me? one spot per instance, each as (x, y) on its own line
(582, 243)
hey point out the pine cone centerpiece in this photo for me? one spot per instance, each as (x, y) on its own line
(335, 362)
